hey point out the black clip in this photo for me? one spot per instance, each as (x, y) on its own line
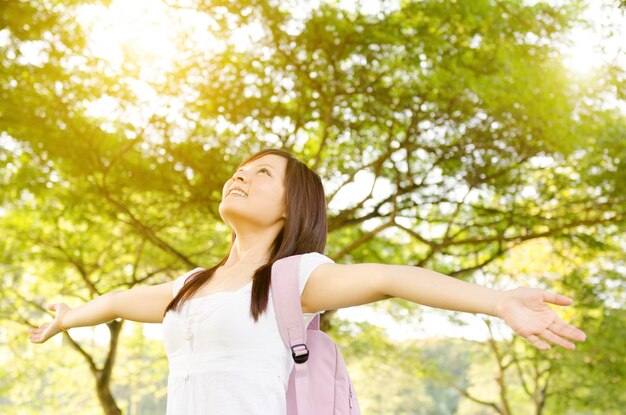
(302, 356)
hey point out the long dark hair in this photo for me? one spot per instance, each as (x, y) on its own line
(304, 231)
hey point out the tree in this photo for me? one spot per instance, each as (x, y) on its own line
(515, 377)
(473, 134)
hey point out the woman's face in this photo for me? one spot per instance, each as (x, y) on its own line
(263, 202)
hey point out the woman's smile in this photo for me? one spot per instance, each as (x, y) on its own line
(238, 193)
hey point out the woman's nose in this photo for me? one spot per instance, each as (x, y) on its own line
(239, 176)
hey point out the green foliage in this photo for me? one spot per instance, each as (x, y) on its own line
(595, 386)
(478, 140)
(53, 381)
(140, 377)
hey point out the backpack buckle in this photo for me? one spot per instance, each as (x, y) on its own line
(300, 356)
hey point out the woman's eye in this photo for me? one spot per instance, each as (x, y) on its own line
(266, 171)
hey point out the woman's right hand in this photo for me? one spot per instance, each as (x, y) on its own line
(47, 330)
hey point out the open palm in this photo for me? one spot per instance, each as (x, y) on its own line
(526, 312)
(47, 330)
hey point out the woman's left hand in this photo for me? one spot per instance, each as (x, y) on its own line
(525, 311)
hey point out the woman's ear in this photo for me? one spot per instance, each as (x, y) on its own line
(283, 214)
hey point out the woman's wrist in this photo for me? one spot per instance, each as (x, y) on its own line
(60, 321)
(500, 302)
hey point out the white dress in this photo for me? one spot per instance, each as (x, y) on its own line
(223, 363)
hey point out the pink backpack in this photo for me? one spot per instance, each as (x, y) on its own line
(319, 383)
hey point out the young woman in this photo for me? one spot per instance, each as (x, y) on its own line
(224, 348)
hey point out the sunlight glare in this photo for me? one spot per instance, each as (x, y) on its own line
(591, 48)
(583, 55)
(150, 37)
(137, 31)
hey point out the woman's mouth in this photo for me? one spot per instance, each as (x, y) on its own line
(237, 193)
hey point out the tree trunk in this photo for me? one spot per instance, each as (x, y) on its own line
(106, 399)
(103, 376)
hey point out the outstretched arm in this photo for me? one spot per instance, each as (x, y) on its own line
(144, 304)
(332, 286)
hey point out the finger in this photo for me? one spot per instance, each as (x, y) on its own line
(538, 343)
(551, 337)
(561, 328)
(557, 299)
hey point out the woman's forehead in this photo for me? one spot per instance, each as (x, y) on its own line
(273, 160)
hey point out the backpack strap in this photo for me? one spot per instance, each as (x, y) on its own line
(288, 308)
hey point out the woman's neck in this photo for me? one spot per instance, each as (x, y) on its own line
(253, 245)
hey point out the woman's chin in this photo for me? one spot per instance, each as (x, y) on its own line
(251, 221)
(233, 215)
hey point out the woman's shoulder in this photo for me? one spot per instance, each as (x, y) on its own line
(188, 274)
(316, 257)
(180, 281)
(311, 260)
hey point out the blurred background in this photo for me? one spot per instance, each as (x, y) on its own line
(483, 139)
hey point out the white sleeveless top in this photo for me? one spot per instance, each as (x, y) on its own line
(223, 363)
